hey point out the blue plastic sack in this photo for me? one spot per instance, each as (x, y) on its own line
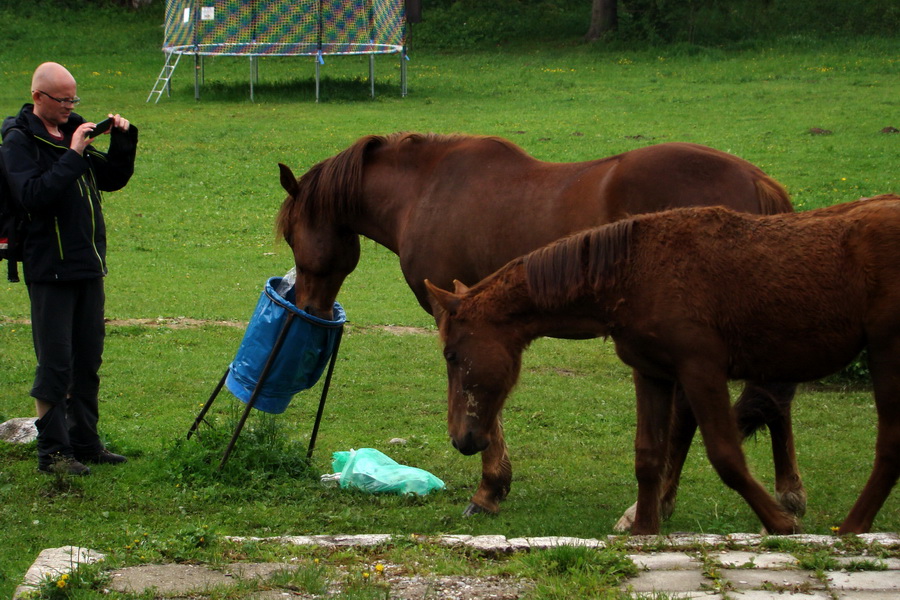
(307, 348)
(372, 471)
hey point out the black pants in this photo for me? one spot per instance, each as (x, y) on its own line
(68, 331)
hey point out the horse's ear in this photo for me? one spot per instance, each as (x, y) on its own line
(442, 301)
(288, 181)
(459, 287)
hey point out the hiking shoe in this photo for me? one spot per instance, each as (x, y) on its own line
(104, 457)
(64, 465)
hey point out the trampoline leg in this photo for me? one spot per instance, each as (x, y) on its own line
(259, 384)
(196, 77)
(315, 431)
(207, 405)
(252, 76)
(317, 79)
(372, 74)
(403, 74)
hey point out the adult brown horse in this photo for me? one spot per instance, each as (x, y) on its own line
(790, 297)
(459, 207)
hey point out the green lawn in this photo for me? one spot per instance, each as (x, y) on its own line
(192, 237)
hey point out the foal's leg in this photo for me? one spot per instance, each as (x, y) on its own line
(681, 432)
(770, 405)
(651, 443)
(886, 383)
(496, 475)
(707, 392)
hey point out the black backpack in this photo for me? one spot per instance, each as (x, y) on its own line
(13, 228)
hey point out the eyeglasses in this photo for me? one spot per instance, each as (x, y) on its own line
(72, 101)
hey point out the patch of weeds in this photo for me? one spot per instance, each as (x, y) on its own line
(82, 582)
(853, 544)
(313, 578)
(262, 453)
(192, 543)
(794, 588)
(59, 483)
(781, 544)
(712, 570)
(654, 596)
(818, 561)
(865, 564)
(577, 571)
(364, 585)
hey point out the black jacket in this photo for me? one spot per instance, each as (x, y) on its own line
(60, 192)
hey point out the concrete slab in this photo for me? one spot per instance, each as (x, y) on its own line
(866, 580)
(770, 595)
(673, 582)
(769, 579)
(666, 561)
(766, 560)
(54, 562)
(168, 580)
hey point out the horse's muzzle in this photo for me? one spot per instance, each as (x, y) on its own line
(470, 445)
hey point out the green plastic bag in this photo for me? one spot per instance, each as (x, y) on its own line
(369, 470)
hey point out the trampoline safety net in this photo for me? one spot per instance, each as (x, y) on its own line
(280, 28)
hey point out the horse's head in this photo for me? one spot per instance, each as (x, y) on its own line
(325, 252)
(483, 364)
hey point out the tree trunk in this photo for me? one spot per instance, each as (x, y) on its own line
(604, 18)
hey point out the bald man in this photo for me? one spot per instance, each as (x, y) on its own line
(57, 175)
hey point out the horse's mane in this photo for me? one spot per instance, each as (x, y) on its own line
(332, 188)
(592, 259)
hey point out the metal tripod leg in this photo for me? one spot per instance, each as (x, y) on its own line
(207, 405)
(315, 431)
(259, 384)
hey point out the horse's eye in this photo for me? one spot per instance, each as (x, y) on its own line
(450, 356)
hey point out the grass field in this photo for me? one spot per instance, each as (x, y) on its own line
(191, 239)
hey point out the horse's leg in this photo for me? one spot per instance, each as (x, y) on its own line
(707, 392)
(651, 443)
(886, 383)
(681, 433)
(496, 476)
(770, 405)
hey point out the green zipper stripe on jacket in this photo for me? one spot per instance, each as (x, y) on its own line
(85, 190)
(85, 187)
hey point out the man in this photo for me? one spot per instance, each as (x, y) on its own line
(56, 176)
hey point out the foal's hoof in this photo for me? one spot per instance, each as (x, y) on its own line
(624, 524)
(474, 509)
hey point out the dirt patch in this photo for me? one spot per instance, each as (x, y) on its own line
(188, 323)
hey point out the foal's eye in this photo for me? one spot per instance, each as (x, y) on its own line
(450, 356)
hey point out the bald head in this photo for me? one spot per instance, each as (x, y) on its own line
(51, 75)
(54, 93)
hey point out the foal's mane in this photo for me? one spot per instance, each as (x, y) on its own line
(332, 189)
(589, 260)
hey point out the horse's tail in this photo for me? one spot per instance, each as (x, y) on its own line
(773, 198)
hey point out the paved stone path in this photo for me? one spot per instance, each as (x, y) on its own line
(733, 567)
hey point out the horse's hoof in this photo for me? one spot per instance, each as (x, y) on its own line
(794, 502)
(474, 509)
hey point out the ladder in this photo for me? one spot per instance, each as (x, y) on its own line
(162, 82)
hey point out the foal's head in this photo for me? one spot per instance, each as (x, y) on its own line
(483, 363)
(325, 251)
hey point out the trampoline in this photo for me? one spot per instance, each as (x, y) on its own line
(254, 28)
